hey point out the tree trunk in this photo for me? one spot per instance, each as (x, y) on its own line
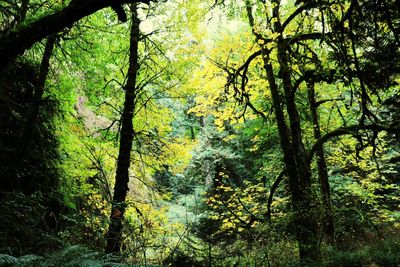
(294, 153)
(37, 98)
(29, 125)
(114, 235)
(328, 220)
(305, 217)
(299, 175)
(23, 10)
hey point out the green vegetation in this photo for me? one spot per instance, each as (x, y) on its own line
(199, 133)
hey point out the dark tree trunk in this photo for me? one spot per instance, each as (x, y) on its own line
(298, 172)
(305, 217)
(114, 235)
(328, 220)
(295, 155)
(30, 123)
(15, 43)
(37, 98)
(23, 10)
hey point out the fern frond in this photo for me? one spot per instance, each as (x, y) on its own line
(29, 260)
(66, 256)
(7, 260)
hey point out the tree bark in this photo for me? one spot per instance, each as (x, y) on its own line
(114, 235)
(302, 198)
(29, 125)
(17, 42)
(299, 183)
(294, 153)
(328, 220)
(37, 98)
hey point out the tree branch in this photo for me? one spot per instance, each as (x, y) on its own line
(17, 42)
(319, 103)
(299, 10)
(350, 130)
(248, 61)
(272, 191)
(307, 36)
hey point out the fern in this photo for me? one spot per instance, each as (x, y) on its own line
(7, 260)
(29, 260)
(69, 256)
(87, 259)
(72, 256)
(78, 256)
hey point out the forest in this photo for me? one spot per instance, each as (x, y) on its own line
(200, 133)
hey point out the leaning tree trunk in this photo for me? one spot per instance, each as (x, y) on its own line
(114, 235)
(328, 220)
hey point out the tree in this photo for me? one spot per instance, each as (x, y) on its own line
(328, 220)
(291, 105)
(294, 152)
(25, 138)
(114, 235)
(16, 176)
(287, 41)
